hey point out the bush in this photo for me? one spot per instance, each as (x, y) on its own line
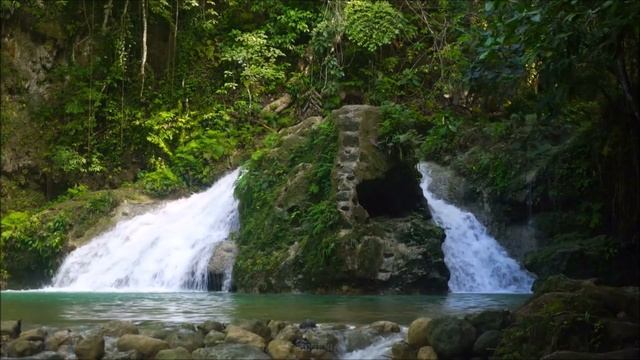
(161, 182)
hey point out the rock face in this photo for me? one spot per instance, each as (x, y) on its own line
(378, 237)
(220, 264)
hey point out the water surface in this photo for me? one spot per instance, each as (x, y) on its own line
(71, 309)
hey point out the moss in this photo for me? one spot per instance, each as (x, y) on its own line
(308, 217)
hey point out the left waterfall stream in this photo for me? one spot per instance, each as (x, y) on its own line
(166, 249)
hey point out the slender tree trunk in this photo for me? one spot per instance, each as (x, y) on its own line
(175, 45)
(122, 68)
(107, 13)
(144, 45)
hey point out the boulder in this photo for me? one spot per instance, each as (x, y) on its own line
(417, 335)
(229, 352)
(58, 338)
(173, 354)
(281, 349)
(322, 339)
(385, 327)
(289, 333)
(47, 355)
(427, 353)
(359, 338)
(238, 335)
(490, 320)
(307, 324)
(189, 340)
(117, 328)
(210, 325)
(10, 328)
(214, 338)
(145, 345)
(276, 326)
(451, 337)
(90, 347)
(23, 347)
(221, 261)
(38, 334)
(255, 326)
(402, 351)
(487, 343)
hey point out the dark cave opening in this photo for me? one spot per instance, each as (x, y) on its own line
(397, 194)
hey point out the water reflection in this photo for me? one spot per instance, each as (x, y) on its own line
(68, 309)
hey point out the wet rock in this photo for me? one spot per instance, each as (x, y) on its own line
(417, 335)
(238, 335)
(402, 351)
(385, 327)
(322, 339)
(450, 336)
(486, 343)
(10, 328)
(427, 353)
(145, 345)
(37, 334)
(221, 261)
(22, 347)
(90, 347)
(210, 325)
(189, 340)
(358, 338)
(255, 326)
(490, 320)
(172, 354)
(158, 333)
(117, 328)
(214, 338)
(307, 324)
(229, 352)
(289, 333)
(275, 326)
(58, 338)
(281, 349)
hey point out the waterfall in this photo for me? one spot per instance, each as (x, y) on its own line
(166, 249)
(477, 263)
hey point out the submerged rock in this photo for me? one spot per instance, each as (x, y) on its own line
(117, 328)
(189, 340)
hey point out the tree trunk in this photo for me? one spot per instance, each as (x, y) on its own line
(144, 45)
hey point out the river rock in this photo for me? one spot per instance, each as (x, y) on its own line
(172, 354)
(10, 328)
(90, 347)
(402, 351)
(427, 353)
(385, 327)
(238, 335)
(38, 334)
(229, 352)
(322, 339)
(145, 345)
(358, 338)
(276, 326)
(22, 347)
(214, 338)
(417, 335)
(117, 328)
(281, 349)
(490, 320)
(256, 327)
(289, 333)
(450, 336)
(58, 338)
(307, 324)
(487, 342)
(210, 325)
(189, 340)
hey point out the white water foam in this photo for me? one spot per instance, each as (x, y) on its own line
(477, 263)
(166, 249)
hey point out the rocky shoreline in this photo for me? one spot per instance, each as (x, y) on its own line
(564, 319)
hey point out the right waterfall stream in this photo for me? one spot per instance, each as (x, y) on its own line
(477, 263)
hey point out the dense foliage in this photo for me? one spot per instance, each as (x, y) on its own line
(535, 102)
